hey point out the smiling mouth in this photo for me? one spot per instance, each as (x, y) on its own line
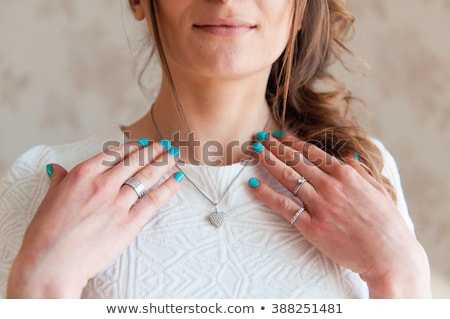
(224, 30)
(222, 27)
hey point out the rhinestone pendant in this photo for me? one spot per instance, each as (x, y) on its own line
(217, 218)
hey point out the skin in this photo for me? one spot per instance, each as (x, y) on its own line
(349, 217)
(221, 80)
(83, 212)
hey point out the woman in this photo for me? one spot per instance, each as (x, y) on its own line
(317, 218)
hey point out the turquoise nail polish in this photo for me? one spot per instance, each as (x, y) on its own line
(174, 151)
(179, 176)
(50, 170)
(356, 156)
(166, 144)
(262, 136)
(253, 182)
(278, 134)
(143, 141)
(258, 147)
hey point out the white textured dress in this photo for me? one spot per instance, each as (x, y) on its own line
(179, 254)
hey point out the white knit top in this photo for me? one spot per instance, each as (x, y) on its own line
(179, 254)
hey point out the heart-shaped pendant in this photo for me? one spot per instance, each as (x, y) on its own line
(217, 218)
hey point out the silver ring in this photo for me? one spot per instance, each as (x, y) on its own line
(138, 187)
(299, 185)
(297, 215)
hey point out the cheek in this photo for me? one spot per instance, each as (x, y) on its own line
(278, 28)
(170, 15)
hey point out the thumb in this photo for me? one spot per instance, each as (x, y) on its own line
(56, 173)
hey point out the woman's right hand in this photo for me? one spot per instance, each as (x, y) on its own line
(88, 218)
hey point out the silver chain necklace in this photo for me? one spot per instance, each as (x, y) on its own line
(217, 217)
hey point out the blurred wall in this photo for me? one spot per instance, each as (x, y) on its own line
(406, 44)
(66, 71)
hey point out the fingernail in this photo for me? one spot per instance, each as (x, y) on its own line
(178, 176)
(258, 147)
(49, 170)
(253, 182)
(174, 151)
(166, 144)
(143, 141)
(262, 136)
(356, 156)
(278, 134)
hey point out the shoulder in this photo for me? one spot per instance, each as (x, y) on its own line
(69, 155)
(32, 163)
(26, 182)
(390, 168)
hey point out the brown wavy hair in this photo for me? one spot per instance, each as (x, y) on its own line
(304, 96)
(296, 88)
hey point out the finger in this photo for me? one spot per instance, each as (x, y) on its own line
(113, 154)
(151, 174)
(285, 175)
(56, 173)
(365, 174)
(146, 208)
(282, 205)
(294, 159)
(314, 154)
(137, 160)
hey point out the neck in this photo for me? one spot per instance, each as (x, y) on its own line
(213, 109)
(226, 113)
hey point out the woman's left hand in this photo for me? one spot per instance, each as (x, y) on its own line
(348, 216)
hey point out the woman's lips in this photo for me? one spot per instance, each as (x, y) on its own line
(225, 27)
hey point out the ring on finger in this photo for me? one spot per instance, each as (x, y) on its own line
(137, 186)
(297, 215)
(299, 185)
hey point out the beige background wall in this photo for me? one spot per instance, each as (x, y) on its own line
(66, 71)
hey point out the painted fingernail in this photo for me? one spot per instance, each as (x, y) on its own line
(143, 141)
(166, 144)
(50, 170)
(178, 176)
(356, 156)
(258, 147)
(262, 136)
(174, 151)
(253, 182)
(278, 134)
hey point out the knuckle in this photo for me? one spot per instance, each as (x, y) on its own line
(98, 186)
(345, 171)
(139, 158)
(171, 188)
(307, 149)
(354, 177)
(146, 174)
(293, 158)
(283, 203)
(333, 187)
(82, 171)
(288, 175)
(326, 184)
(151, 198)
